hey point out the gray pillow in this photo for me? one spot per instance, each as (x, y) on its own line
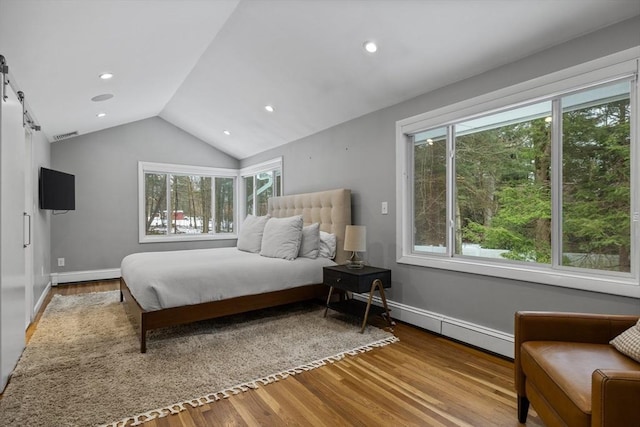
(282, 237)
(250, 237)
(310, 241)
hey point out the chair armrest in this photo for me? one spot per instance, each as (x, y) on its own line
(570, 327)
(614, 398)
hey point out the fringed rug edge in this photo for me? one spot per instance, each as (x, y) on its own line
(246, 386)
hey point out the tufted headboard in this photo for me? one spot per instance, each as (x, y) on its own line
(331, 208)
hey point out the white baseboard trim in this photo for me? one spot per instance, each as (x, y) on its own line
(477, 335)
(84, 276)
(38, 305)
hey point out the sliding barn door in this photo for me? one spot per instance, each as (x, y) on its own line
(12, 251)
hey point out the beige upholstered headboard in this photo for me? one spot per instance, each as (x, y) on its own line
(331, 208)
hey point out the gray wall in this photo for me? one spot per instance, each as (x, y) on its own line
(360, 155)
(41, 222)
(104, 227)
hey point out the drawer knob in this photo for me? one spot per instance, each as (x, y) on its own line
(338, 279)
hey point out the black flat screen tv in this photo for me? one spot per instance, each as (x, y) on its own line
(57, 190)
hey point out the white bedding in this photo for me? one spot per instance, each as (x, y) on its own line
(160, 280)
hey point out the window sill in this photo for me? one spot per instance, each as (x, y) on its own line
(186, 238)
(623, 286)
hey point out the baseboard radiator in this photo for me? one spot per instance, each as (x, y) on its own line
(460, 330)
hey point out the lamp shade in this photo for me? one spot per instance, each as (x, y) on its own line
(355, 238)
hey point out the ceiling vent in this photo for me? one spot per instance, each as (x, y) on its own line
(65, 136)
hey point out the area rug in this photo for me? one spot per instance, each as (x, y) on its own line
(83, 367)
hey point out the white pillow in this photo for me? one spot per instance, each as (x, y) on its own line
(310, 241)
(250, 237)
(327, 245)
(282, 237)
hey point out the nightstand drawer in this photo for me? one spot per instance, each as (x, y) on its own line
(341, 281)
(356, 280)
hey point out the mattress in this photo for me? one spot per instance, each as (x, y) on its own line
(159, 280)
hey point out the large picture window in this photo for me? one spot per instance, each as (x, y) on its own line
(187, 203)
(542, 190)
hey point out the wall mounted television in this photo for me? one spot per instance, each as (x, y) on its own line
(57, 190)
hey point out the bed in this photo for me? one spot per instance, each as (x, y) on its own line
(162, 289)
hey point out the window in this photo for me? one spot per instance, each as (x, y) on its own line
(539, 190)
(596, 178)
(502, 185)
(186, 203)
(261, 182)
(430, 191)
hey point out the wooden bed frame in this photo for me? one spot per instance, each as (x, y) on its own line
(332, 209)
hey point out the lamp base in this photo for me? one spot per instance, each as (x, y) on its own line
(358, 264)
(355, 261)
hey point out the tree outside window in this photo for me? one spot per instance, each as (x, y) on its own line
(196, 205)
(502, 183)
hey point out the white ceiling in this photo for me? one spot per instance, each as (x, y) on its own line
(211, 65)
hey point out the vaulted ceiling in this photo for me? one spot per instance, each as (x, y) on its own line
(210, 66)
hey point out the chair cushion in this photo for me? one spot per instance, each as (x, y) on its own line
(562, 371)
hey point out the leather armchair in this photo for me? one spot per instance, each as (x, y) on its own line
(566, 368)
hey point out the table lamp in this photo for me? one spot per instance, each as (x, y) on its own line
(355, 240)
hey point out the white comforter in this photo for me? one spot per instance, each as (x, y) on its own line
(160, 280)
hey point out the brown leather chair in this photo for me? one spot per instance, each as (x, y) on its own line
(566, 368)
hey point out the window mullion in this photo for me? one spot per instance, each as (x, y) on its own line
(635, 175)
(212, 205)
(556, 183)
(255, 193)
(168, 200)
(409, 232)
(451, 185)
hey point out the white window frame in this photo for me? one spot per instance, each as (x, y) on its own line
(614, 67)
(172, 169)
(253, 170)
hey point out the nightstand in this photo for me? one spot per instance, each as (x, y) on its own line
(361, 281)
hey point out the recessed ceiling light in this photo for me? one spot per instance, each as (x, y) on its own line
(102, 97)
(370, 46)
(101, 115)
(269, 108)
(106, 76)
(226, 132)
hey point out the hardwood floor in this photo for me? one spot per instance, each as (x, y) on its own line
(423, 380)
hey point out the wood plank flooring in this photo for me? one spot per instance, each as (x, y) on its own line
(423, 380)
